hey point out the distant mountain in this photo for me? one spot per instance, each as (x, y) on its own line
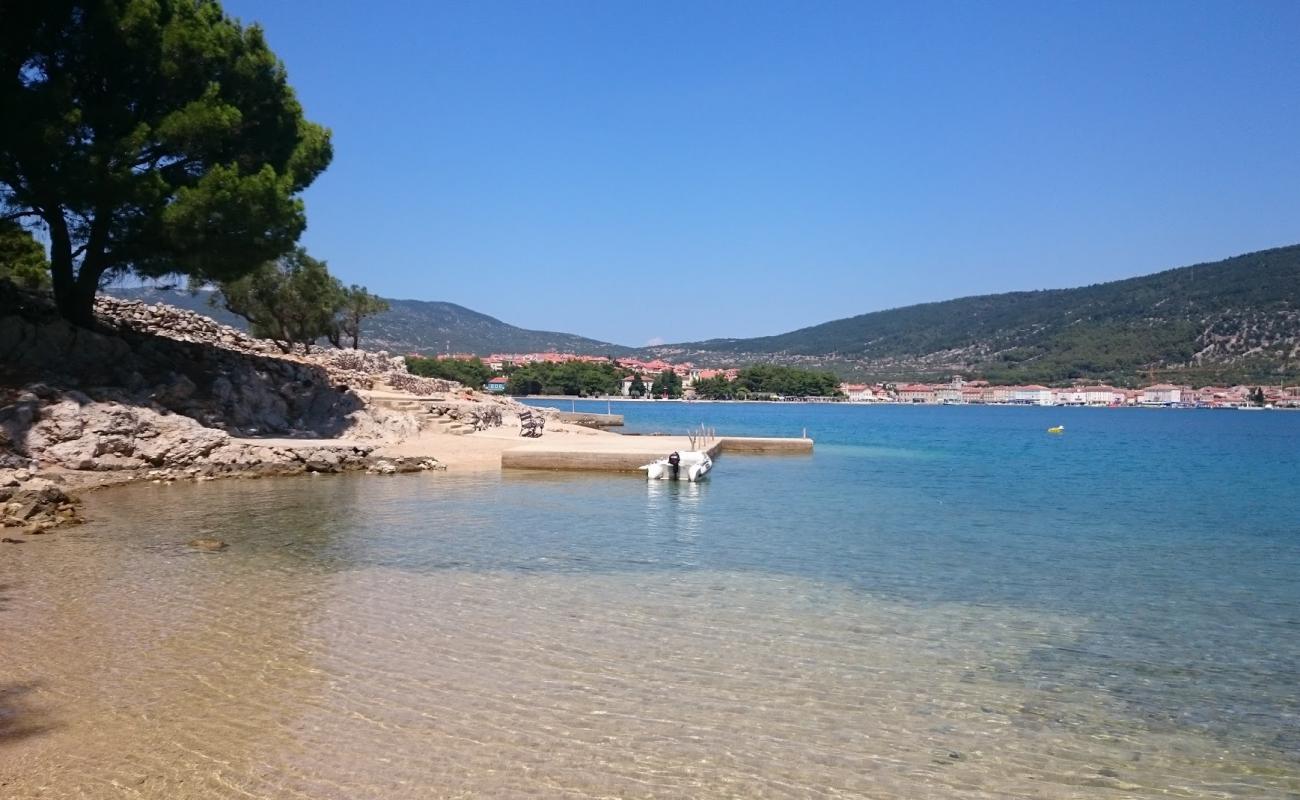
(412, 326)
(1231, 320)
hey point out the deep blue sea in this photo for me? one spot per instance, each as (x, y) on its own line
(939, 602)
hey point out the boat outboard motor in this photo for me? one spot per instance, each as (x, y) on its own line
(675, 463)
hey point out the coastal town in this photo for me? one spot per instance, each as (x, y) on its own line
(956, 391)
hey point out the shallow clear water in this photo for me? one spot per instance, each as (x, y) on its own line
(941, 602)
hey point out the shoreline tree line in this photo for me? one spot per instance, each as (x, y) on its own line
(577, 378)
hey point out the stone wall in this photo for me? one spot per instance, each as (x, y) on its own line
(175, 361)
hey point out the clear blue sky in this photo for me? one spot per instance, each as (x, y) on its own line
(631, 171)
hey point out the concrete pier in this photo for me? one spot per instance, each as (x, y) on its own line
(591, 420)
(629, 453)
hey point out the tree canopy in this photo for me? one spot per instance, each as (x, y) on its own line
(471, 372)
(358, 304)
(155, 137)
(577, 378)
(22, 259)
(292, 300)
(666, 384)
(767, 379)
(637, 387)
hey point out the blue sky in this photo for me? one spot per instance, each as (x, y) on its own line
(661, 170)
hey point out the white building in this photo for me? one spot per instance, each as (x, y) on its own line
(857, 392)
(1102, 395)
(1069, 397)
(1032, 395)
(1162, 394)
(1089, 396)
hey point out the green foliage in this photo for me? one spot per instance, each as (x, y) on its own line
(471, 372)
(22, 259)
(358, 304)
(787, 381)
(1116, 331)
(717, 388)
(769, 380)
(155, 137)
(637, 387)
(292, 300)
(577, 378)
(1257, 396)
(666, 384)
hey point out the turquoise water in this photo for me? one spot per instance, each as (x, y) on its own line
(1176, 534)
(940, 602)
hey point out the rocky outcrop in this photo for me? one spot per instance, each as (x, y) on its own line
(165, 395)
(179, 362)
(70, 430)
(34, 504)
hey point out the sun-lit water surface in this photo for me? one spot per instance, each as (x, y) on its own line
(939, 603)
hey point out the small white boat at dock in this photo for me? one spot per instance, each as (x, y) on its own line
(689, 465)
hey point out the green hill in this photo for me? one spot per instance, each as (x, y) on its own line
(1232, 320)
(412, 326)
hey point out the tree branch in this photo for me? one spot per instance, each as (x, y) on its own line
(20, 214)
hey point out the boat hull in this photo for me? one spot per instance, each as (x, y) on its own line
(692, 466)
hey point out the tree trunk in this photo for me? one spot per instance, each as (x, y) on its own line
(76, 305)
(74, 297)
(356, 337)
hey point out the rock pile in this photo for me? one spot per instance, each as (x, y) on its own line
(358, 369)
(365, 370)
(180, 362)
(179, 324)
(32, 503)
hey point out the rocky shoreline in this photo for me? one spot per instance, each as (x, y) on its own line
(162, 394)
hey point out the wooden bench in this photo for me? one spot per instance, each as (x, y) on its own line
(531, 423)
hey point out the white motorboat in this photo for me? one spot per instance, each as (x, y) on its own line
(691, 465)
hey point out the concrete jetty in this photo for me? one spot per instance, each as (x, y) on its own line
(590, 420)
(629, 453)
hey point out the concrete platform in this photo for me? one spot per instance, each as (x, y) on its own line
(589, 420)
(629, 453)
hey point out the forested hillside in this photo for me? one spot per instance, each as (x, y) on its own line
(1237, 319)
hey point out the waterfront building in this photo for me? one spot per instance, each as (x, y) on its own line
(916, 393)
(626, 385)
(1032, 395)
(995, 394)
(1091, 396)
(857, 392)
(1162, 394)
